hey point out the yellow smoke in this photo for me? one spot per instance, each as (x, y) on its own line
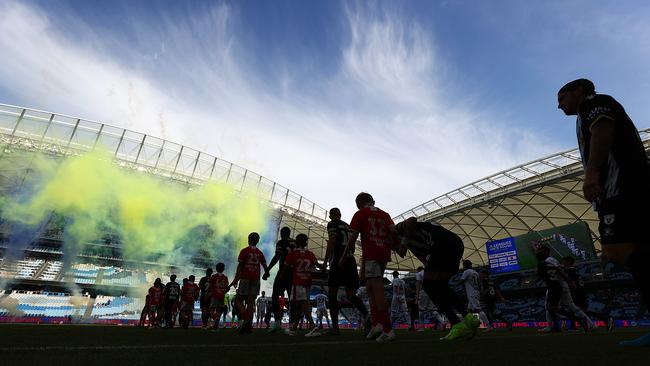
(151, 214)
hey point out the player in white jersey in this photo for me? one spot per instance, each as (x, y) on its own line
(398, 304)
(321, 309)
(262, 306)
(472, 281)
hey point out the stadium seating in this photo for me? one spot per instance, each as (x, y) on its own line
(43, 304)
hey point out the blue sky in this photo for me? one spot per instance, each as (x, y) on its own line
(406, 100)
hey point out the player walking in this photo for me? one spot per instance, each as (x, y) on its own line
(261, 307)
(282, 281)
(398, 307)
(321, 309)
(204, 298)
(248, 278)
(345, 276)
(491, 294)
(155, 300)
(218, 286)
(189, 294)
(472, 282)
(171, 294)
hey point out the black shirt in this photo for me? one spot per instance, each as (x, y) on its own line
(627, 171)
(427, 239)
(282, 248)
(172, 291)
(203, 286)
(489, 289)
(342, 232)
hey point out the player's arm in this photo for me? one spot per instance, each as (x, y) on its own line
(602, 138)
(331, 241)
(266, 268)
(352, 241)
(235, 280)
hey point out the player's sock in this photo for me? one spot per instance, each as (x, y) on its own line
(334, 310)
(484, 319)
(356, 301)
(374, 318)
(385, 321)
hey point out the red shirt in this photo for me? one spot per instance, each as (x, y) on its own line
(374, 225)
(155, 295)
(251, 258)
(190, 292)
(218, 285)
(301, 261)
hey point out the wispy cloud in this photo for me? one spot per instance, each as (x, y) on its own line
(386, 121)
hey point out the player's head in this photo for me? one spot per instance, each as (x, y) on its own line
(572, 94)
(395, 274)
(485, 273)
(220, 267)
(407, 227)
(172, 278)
(263, 293)
(420, 268)
(568, 261)
(191, 278)
(301, 240)
(285, 233)
(185, 280)
(335, 214)
(364, 200)
(542, 252)
(467, 264)
(253, 239)
(157, 282)
(208, 271)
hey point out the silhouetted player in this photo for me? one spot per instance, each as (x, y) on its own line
(440, 251)
(204, 298)
(282, 282)
(617, 177)
(171, 294)
(248, 278)
(345, 276)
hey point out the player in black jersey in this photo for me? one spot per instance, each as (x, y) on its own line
(491, 294)
(204, 298)
(282, 280)
(171, 296)
(345, 276)
(617, 177)
(579, 294)
(440, 250)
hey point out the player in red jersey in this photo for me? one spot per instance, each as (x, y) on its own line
(155, 299)
(301, 261)
(378, 238)
(189, 295)
(248, 278)
(218, 287)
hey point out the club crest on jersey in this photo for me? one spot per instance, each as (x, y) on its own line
(609, 219)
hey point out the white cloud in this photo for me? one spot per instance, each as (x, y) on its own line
(385, 122)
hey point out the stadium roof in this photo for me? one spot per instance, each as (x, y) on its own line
(539, 195)
(61, 134)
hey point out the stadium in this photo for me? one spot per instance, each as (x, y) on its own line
(101, 284)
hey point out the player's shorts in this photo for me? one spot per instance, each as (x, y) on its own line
(171, 305)
(300, 293)
(153, 308)
(556, 295)
(216, 302)
(321, 312)
(474, 303)
(249, 287)
(281, 284)
(187, 306)
(374, 269)
(346, 276)
(623, 220)
(205, 302)
(446, 255)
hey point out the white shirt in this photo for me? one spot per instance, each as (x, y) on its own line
(361, 292)
(419, 276)
(321, 301)
(398, 286)
(262, 304)
(472, 283)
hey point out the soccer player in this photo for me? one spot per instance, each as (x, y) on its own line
(300, 262)
(248, 278)
(557, 294)
(218, 285)
(321, 309)
(398, 303)
(225, 308)
(472, 282)
(171, 294)
(424, 304)
(491, 293)
(155, 299)
(205, 298)
(617, 177)
(189, 294)
(282, 281)
(378, 238)
(579, 295)
(262, 305)
(440, 250)
(338, 232)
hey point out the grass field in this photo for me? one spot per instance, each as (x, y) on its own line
(115, 345)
